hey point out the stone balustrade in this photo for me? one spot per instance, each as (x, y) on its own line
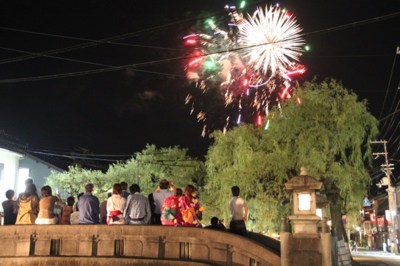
(127, 245)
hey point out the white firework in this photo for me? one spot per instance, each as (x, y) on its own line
(271, 40)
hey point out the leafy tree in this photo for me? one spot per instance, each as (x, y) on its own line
(148, 168)
(153, 164)
(323, 127)
(238, 158)
(73, 181)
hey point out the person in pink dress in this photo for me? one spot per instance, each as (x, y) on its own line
(170, 210)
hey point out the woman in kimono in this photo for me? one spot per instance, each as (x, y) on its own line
(115, 206)
(170, 210)
(190, 208)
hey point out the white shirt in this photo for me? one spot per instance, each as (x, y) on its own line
(115, 203)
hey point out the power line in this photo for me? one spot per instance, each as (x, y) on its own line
(110, 40)
(356, 24)
(81, 73)
(55, 57)
(389, 83)
(92, 43)
(99, 42)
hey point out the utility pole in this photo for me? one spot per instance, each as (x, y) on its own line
(391, 190)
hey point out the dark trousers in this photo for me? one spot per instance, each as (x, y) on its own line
(238, 227)
(156, 218)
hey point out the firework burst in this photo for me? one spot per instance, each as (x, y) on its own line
(249, 64)
(272, 40)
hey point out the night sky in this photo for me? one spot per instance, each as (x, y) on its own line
(120, 111)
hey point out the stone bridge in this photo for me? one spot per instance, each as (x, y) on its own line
(131, 245)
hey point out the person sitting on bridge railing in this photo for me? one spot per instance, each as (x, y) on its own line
(10, 208)
(67, 210)
(190, 208)
(216, 224)
(89, 207)
(170, 211)
(137, 210)
(115, 206)
(165, 189)
(28, 203)
(46, 207)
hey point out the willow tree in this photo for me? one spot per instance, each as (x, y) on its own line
(324, 127)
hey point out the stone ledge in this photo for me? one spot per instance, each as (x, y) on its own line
(98, 261)
(128, 241)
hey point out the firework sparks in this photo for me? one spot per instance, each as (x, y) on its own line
(249, 64)
(272, 38)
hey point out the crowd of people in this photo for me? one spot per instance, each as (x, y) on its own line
(167, 205)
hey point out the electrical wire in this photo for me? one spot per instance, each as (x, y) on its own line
(109, 40)
(388, 88)
(105, 41)
(114, 68)
(81, 73)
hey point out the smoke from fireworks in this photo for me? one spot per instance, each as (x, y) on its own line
(250, 64)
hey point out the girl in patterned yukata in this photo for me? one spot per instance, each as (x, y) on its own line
(190, 208)
(170, 210)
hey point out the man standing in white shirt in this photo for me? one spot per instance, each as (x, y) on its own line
(239, 213)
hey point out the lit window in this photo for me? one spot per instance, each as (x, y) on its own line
(304, 202)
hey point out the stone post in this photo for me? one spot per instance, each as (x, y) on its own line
(305, 245)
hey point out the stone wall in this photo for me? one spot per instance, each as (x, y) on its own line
(130, 243)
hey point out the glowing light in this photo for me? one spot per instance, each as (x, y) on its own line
(307, 48)
(211, 23)
(195, 61)
(273, 40)
(287, 86)
(259, 120)
(300, 70)
(191, 42)
(210, 64)
(242, 4)
(266, 125)
(245, 82)
(304, 201)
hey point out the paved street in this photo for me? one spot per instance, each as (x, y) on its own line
(376, 258)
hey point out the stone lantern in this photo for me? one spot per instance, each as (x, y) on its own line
(305, 245)
(304, 219)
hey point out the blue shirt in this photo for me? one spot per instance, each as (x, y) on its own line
(89, 209)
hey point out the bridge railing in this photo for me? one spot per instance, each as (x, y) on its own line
(128, 241)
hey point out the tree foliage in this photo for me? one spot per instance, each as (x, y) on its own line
(323, 127)
(147, 168)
